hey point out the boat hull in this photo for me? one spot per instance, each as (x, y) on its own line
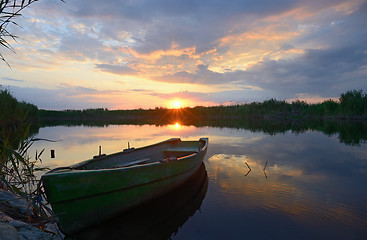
(156, 219)
(84, 198)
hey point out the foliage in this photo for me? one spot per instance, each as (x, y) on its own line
(9, 10)
(352, 104)
(17, 169)
(18, 172)
(271, 116)
(15, 118)
(14, 112)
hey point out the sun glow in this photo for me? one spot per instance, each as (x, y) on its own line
(176, 126)
(176, 104)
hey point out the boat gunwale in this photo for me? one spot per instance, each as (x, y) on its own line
(125, 151)
(73, 168)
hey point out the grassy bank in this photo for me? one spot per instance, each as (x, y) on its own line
(16, 166)
(15, 119)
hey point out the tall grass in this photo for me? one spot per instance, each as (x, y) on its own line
(15, 118)
(17, 168)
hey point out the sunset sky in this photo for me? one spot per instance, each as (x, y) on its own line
(158, 53)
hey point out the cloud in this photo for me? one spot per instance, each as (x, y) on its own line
(320, 72)
(203, 76)
(65, 96)
(73, 90)
(240, 49)
(12, 79)
(117, 69)
(315, 72)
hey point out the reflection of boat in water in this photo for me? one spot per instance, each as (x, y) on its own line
(158, 219)
(89, 192)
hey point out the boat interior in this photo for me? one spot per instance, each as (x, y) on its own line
(173, 149)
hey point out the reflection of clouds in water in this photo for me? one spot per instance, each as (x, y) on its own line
(231, 165)
(235, 141)
(312, 153)
(237, 164)
(288, 191)
(359, 152)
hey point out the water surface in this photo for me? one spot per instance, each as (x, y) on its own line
(286, 185)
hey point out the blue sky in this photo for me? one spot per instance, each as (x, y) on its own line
(148, 53)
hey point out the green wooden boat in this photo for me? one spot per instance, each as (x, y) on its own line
(92, 191)
(160, 218)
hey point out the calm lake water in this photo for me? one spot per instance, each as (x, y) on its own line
(301, 186)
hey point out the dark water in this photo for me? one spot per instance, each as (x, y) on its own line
(253, 185)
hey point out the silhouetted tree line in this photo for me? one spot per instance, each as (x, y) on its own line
(352, 105)
(271, 116)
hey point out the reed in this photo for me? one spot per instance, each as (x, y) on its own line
(9, 11)
(17, 168)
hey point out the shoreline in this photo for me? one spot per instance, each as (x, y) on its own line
(199, 118)
(17, 223)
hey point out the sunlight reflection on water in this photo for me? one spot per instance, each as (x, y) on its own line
(295, 186)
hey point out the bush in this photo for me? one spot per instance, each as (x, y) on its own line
(353, 103)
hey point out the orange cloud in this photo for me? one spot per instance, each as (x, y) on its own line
(267, 34)
(152, 57)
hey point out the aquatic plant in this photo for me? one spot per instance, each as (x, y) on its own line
(9, 10)
(17, 169)
(15, 119)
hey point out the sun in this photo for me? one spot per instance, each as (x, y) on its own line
(176, 104)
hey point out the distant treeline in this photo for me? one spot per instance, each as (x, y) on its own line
(271, 117)
(351, 105)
